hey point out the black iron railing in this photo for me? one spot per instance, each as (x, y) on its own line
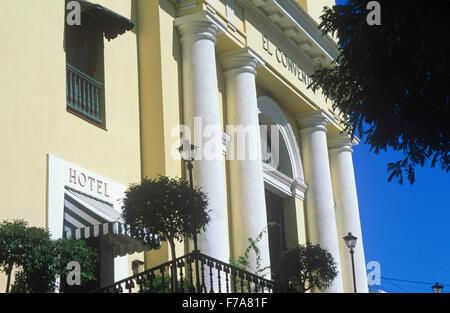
(214, 277)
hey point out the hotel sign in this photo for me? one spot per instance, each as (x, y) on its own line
(285, 60)
(62, 174)
(91, 183)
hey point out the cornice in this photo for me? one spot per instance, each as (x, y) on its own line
(298, 27)
(311, 26)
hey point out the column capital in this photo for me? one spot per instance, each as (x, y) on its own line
(317, 120)
(199, 25)
(242, 60)
(341, 142)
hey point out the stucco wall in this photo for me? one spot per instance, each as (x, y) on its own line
(34, 119)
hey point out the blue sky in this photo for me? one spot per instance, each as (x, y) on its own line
(405, 227)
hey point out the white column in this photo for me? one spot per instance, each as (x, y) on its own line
(347, 212)
(201, 103)
(248, 207)
(320, 215)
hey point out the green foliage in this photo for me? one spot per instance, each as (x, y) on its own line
(158, 285)
(68, 250)
(305, 267)
(165, 206)
(391, 81)
(38, 259)
(20, 283)
(37, 269)
(14, 244)
(243, 261)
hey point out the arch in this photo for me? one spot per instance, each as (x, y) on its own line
(270, 109)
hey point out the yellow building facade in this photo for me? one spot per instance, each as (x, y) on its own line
(77, 132)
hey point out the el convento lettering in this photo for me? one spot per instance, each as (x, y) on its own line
(285, 60)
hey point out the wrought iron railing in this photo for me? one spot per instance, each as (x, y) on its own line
(214, 276)
(83, 94)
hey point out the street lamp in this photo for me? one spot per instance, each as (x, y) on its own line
(187, 152)
(437, 288)
(350, 241)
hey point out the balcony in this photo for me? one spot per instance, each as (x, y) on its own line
(214, 276)
(83, 93)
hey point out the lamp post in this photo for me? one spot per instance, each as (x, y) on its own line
(187, 152)
(350, 241)
(437, 288)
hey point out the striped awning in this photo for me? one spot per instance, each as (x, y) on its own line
(86, 217)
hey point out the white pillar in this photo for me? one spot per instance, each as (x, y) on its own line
(347, 212)
(201, 103)
(248, 207)
(320, 215)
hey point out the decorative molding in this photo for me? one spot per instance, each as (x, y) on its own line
(274, 30)
(291, 32)
(210, 8)
(199, 25)
(187, 4)
(320, 59)
(305, 45)
(289, 15)
(243, 60)
(281, 184)
(298, 189)
(275, 16)
(341, 142)
(316, 120)
(308, 26)
(259, 3)
(231, 27)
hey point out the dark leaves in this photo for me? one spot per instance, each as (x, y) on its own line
(38, 259)
(391, 81)
(165, 206)
(305, 267)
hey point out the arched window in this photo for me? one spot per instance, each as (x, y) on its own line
(279, 148)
